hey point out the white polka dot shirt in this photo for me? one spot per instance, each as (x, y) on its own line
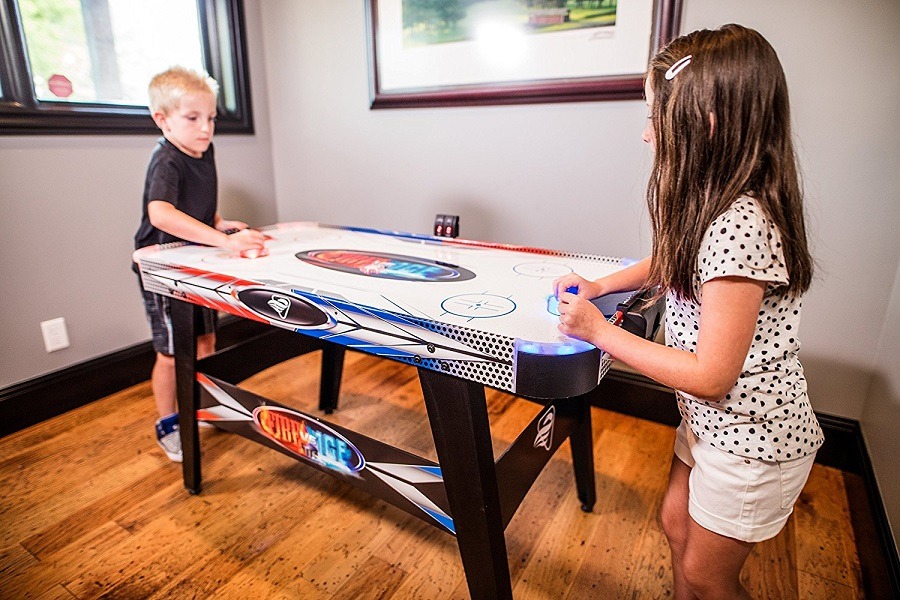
(767, 414)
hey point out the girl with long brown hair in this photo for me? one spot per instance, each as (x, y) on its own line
(730, 255)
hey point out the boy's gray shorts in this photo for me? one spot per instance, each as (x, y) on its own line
(159, 315)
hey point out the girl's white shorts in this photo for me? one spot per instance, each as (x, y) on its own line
(742, 498)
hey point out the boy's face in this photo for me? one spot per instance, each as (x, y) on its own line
(191, 125)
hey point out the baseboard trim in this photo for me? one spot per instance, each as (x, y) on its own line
(878, 552)
(636, 396)
(36, 400)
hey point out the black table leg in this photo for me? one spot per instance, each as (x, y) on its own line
(582, 444)
(330, 383)
(185, 338)
(458, 416)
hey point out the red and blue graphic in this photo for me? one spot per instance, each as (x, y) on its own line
(409, 482)
(308, 439)
(385, 266)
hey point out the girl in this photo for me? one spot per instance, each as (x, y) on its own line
(730, 253)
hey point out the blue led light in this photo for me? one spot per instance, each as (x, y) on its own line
(571, 346)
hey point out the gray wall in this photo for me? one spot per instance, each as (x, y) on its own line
(882, 410)
(572, 175)
(569, 176)
(69, 207)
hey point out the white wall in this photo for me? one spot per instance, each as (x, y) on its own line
(69, 207)
(571, 176)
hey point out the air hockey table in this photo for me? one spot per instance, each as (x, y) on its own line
(467, 314)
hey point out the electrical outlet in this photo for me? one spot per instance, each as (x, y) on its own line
(55, 335)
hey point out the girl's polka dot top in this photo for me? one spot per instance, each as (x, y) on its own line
(767, 414)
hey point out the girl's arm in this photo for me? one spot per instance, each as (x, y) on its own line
(727, 322)
(163, 215)
(625, 280)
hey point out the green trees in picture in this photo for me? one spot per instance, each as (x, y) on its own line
(441, 21)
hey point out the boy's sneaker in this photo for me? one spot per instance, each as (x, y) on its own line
(168, 437)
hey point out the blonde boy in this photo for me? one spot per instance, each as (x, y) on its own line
(180, 204)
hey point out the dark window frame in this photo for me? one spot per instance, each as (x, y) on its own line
(21, 113)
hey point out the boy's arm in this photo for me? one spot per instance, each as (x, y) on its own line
(164, 216)
(228, 225)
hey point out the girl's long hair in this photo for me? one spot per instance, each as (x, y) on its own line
(721, 131)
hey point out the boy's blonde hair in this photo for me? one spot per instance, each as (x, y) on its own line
(167, 88)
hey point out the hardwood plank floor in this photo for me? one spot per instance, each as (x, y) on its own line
(90, 508)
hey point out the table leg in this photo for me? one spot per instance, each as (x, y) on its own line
(185, 338)
(458, 415)
(330, 383)
(582, 445)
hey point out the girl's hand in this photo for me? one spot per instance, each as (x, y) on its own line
(579, 318)
(585, 289)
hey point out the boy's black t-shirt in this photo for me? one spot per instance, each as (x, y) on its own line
(189, 183)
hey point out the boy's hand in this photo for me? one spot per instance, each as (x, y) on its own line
(246, 239)
(226, 226)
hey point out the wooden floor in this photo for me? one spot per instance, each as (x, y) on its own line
(90, 507)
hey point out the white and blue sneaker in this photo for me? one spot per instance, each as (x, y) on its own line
(168, 437)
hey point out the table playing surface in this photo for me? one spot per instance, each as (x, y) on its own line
(471, 309)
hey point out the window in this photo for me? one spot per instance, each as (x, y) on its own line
(82, 66)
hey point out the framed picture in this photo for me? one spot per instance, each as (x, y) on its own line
(476, 52)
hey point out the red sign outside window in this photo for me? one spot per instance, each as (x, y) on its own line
(60, 86)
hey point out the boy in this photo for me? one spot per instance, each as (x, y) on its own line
(180, 205)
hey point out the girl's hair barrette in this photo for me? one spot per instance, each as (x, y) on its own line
(676, 68)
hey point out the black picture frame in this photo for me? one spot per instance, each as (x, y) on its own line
(664, 25)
